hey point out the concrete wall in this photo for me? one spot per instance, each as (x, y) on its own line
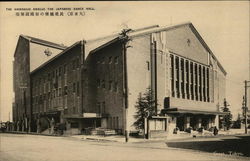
(139, 76)
(183, 41)
(38, 56)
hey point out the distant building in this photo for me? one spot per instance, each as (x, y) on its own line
(83, 85)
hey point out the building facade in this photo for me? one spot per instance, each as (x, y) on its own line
(97, 83)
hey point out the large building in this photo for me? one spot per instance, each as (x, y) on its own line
(97, 83)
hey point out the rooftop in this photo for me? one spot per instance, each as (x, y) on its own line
(44, 42)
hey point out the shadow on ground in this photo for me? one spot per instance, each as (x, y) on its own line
(239, 145)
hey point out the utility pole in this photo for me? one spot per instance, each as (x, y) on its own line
(125, 39)
(246, 108)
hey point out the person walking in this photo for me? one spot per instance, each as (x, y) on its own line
(215, 131)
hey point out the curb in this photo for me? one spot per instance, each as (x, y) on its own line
(31, 133)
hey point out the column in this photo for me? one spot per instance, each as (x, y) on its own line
(198, 123)
(186, 122)
(216, 121)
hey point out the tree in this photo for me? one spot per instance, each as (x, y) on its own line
(145, 107)
(228, 117)
(237, 123)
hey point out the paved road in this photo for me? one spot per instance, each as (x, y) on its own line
(235, 144)
(14, 147)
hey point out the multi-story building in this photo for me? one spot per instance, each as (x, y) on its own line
(29, 54)
(96, 84)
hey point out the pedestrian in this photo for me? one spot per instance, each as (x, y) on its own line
(52, 125)
(215, 131)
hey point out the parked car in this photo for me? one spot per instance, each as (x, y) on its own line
(3, 127)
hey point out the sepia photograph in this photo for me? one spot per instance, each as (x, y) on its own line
(125, 80)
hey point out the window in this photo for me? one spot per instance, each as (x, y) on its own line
(172, 75)
(196, 82)
(73, 65)
(177, 77)
(200, 83)
(182, 78)
(60, 92)
(53, 74)
(110, 59)
(103, 107)
(148, 65)
(110, 85)
(78, 89)
(77, 63)
(187, 78)
(98, 83)
(99, 107)
(208, 97)
(60, 71)
(116, 60)
(204, 84)
(192, 80)
(103, 83)
(116, 87)
(103, 60)
(74, 87)
(65, 102)
(56, 72)
(65, 69)
(65, 90)
(74, 125)
(48, 76)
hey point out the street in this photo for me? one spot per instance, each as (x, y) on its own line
(22, 147)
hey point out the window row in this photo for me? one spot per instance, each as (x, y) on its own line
(189, 80)
(113, 122)
(101, 107)
(58, 93)
(111, 85)
(59, 71)
(48, 104)
(108, 60)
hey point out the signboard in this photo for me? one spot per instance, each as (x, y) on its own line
(90, 115)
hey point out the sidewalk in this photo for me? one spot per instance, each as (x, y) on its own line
(182, 136)
(116, 138)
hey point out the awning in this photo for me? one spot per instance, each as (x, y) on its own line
(195, 112)
(86, 115)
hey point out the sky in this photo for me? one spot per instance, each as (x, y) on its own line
(223, 25)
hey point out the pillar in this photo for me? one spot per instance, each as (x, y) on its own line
(216, 121)
(210, 123)
(186, 122)
(198, 123)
